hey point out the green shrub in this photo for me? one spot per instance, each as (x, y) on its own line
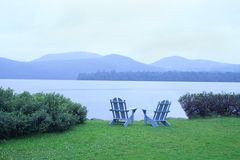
(6, 98)
(209, 104)
(25, 113)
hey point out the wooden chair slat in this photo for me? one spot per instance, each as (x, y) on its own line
(120, 112)
(160, 114)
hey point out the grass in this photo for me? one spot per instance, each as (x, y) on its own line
(217, 138)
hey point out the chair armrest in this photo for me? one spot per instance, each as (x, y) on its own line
(144, 110)
(161, 111)
(132, 109)
(118, 110)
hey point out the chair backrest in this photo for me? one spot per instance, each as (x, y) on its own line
(162, 110)
(119, 109)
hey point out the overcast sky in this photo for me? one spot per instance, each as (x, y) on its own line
(145, 30)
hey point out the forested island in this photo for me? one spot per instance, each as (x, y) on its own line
(162, 76)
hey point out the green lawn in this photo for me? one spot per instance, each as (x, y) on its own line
(217, 138)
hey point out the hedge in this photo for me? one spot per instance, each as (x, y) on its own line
(209, 104)
(25, 113)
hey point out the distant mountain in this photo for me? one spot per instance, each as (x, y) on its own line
(69, 68)
(68, 56)
(11, 69)
(176, 63)
(121, 64)
(69, 65)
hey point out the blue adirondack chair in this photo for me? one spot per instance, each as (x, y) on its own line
(159, 115)
(120, 112)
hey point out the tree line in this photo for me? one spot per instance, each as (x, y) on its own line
(162, 76)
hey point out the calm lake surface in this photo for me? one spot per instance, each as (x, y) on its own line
(95, 95)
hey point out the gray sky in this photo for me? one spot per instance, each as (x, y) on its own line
(145, 30)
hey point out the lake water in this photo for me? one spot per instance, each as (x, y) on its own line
(95, 95)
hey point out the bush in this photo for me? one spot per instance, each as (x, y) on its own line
(209, 104)
(25, 113)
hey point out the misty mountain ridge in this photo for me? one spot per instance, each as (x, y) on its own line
(176, 63)
(69, 69)
(68, 56)
(69, 65)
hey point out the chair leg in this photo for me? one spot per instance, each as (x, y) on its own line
(165, 123)
(130, 119)
(145, 120)
(112, 122)
(127, 122)
(153, 123)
